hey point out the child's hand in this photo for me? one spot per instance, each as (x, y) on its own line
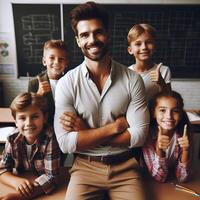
(12, 196)
(163, 140)
(44, 86)
(71, 122)
(24, 186)
(155, 75)
(184, 141)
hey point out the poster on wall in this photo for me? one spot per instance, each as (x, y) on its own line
(6, 53)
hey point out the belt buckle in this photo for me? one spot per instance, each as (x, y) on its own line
(105, 159)
(89, 158)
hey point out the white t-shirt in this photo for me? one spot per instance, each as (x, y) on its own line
(53, 84)
(153, 88)
(171, 147)
(29, 150)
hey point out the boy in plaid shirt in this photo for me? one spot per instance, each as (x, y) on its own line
(32, 147)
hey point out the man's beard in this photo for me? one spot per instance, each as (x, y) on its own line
(99, 55)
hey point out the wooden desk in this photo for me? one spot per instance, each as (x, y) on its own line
(167, 191)
(196, 114)
(155, 190)
(6, 122)
(6, 116)
(59, 194)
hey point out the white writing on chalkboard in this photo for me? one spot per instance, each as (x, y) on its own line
(36, 29)
(178, 34)
(34, 25)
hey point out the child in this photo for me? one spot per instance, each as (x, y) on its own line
(167, 149)
(142, 45)
(55, 59)
(32, 147)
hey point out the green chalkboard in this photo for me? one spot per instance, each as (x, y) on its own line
(34, 24)
(178, 35)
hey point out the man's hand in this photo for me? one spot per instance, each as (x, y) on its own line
(13, 196)
(72, 122)
(121, 124)
(44, 87)
(119, 127)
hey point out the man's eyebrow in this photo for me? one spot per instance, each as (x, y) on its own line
(83, 33)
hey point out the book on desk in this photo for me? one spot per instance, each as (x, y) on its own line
(194, 116)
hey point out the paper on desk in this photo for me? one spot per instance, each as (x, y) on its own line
(5, 132)
(193, 116)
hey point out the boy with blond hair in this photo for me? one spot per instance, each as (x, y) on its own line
(55, 59)
(142, 46)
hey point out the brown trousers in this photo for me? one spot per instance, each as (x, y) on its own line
(91, 180)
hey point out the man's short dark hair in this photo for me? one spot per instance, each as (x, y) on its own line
(87, 11)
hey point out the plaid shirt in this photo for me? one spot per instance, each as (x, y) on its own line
(159, 168)
(45, 158)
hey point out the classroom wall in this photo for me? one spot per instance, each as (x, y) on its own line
(189, 89)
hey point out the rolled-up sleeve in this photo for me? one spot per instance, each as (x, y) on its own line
(64, 103)
(184, 170)
(137, 113)
(48, 180)
(7, 162)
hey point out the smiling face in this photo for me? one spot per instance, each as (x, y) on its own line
(30, 122)
(92, 38)
(142, 48)
(167, 113)
(56, 61)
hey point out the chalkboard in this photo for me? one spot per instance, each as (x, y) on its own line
(34, 24)
(178, 35)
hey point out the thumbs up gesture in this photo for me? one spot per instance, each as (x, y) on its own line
(184, 141)
(163, 139)
(155, 75)
(44, 86)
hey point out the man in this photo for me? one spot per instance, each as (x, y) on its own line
(110, 99)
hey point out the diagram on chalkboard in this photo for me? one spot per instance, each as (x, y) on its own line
(37, 29)
(34, 25)
(178, 34)
(178, 28)
(39, 23)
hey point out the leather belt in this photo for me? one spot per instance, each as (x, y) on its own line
(111, 159)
